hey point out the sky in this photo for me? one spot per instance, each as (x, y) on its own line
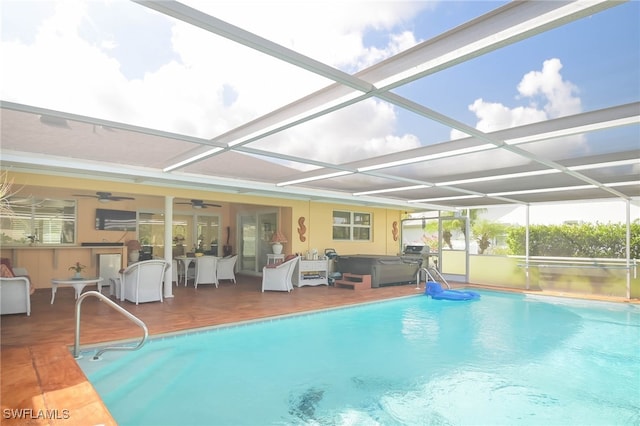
(120, 61)
(612, 211)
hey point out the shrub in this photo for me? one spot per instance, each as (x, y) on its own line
(569, 240)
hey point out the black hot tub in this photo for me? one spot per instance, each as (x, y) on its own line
(384, 269)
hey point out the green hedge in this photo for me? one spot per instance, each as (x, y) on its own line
(583, 240)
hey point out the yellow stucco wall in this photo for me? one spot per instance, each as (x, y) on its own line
(318, 220)
(44, 264)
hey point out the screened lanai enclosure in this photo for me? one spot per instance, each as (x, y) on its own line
(431, 108)
(509, 249)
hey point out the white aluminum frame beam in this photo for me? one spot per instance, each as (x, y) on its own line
(503, 26)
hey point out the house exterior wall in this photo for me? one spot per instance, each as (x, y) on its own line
(45, 263)
(318, 221)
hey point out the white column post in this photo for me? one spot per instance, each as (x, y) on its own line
(168, 247)
(526, 250)
(628, 248)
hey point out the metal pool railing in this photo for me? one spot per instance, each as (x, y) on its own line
(110, 303)
(431, 274)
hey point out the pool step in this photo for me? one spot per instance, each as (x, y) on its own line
(355, 281)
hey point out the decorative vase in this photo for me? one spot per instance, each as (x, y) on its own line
(134, 256)
(77, 275)
(277, 248)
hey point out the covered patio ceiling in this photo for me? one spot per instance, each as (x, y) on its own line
(585, 155)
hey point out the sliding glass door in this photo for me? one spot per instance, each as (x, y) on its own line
(247, 259)
(255, 232)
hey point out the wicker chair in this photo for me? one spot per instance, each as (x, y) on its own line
(226, 268)
(15, 296)
(206, 267)
(278, 277)
(142, 281)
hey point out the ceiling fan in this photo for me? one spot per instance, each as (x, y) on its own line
(199, 204)
(105, 197)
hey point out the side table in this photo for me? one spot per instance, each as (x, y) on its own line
(274, 258)
(78, 285)
(185, 261)
(313, 272)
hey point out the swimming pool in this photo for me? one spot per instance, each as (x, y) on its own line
(505, 359)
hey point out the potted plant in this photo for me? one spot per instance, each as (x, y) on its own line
(77, 268)
(133, 248)
(276, 241)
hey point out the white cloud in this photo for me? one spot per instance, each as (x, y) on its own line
(560, 95)
(309, 27)
(63, 70)
(59, 70)
(398, 43)
(547, 95)
(547, 87)
(360, 131)
(494, 116)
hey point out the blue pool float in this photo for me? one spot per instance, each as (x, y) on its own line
(436, 292)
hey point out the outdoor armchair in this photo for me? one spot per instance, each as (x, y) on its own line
(15, 295)
(226, 268)
(278, 277)
(142, 281)
(206, 268)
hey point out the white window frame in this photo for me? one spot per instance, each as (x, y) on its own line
(40, 221)
(347, 221)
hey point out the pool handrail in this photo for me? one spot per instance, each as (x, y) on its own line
(429, 276)
(112, 304)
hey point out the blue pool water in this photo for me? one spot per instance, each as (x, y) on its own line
(503, 360)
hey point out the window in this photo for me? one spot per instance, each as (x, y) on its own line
(351, 226)
(39, 221)
(151, 233)
(207, 235)
(190, 233)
